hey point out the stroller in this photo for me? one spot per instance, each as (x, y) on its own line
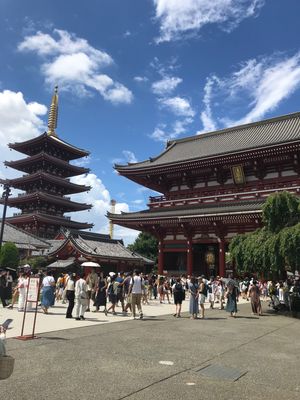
(6, 362)
(276, 304)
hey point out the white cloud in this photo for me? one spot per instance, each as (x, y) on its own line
(259, 86)
(100, 198)
(75, 65)
(138, 201)
(166, 85)
(163, 133)
(275, 83)
(189, 16)
(130, 156)
(178, 106)
(19, 120)
(140, 79)
(206, 115)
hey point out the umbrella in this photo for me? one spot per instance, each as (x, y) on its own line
(90, 264)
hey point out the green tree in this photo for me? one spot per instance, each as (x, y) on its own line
(9, 255)
(37, 262)
(280, 211)
(146, 245)
(273, 247)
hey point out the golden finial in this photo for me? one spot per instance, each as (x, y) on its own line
(53, 112)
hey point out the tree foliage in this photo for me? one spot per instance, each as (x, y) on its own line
(280, 211)
(275, 246)
(9, 255)
(146, 245)
(37, 262)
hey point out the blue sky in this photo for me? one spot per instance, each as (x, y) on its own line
(134, 73)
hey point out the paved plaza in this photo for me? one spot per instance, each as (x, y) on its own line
(160, 357)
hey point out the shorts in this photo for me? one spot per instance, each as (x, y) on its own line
(202, 298)
(211, 297)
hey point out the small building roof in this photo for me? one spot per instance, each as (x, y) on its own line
(22, 239)
(62, 263)
(266, 133)
(96, 246)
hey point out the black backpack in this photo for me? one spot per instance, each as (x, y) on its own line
(178, 288)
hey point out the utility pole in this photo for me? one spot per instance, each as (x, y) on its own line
(5, 196)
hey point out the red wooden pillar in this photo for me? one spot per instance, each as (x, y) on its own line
(160, 257)
(222, 257)
(189, 257)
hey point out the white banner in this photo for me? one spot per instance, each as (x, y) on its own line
(33, 289)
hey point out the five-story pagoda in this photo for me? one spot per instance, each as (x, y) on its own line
(46, 183)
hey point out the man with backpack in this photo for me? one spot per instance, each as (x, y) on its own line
(178, 294)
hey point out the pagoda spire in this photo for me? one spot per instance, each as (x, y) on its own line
(53, 113)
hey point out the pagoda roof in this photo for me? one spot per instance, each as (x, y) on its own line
(65, 183)
(22, 239)
(46, 197)
(186, 213)
(48, 219)
(252, 136)
(67, 168)
(27, 147)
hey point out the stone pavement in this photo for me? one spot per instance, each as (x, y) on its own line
(56, 319)
(162, 358)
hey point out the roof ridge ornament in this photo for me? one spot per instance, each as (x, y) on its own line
(53, 113)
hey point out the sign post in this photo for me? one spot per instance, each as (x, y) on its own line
(32, 296)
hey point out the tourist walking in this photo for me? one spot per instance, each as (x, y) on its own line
(112, 291)
(221, 293)
(127, 293)
(92, 284)
(231, 295)
(21, 291)
(48, 292)
(178, 294)
(100, 299)
(70, 295)
(136, 290)
(60, 287)
(80, 297)
(202, 295)
(193, 290)
(3, 288)
(254, 295)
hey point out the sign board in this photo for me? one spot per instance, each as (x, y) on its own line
(32, 296)
(33, 290)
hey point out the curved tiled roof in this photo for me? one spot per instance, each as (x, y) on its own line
(26, 146)
(255, 135)
(37, 176)
(67, 168)
(22, 239)
(204, 210)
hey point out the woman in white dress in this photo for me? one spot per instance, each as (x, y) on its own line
(22, 284)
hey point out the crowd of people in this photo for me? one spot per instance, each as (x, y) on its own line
(131, 290)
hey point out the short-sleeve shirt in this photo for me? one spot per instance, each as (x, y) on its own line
(48, 281)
